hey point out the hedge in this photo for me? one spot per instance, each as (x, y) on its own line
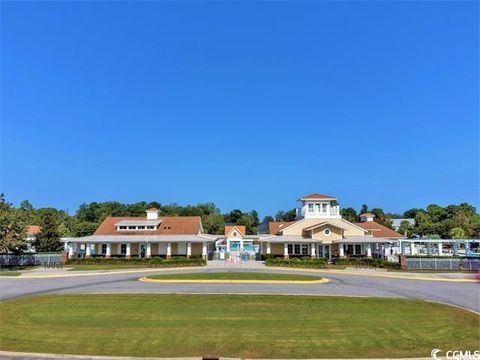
(300, 263)
(152, 262)
(367, 263)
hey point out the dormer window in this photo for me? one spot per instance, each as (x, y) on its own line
(310, 208)
(234, 233)
(137, 225)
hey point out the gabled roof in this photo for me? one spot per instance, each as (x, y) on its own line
(367, 214)
(240, 228)
(316, 196)
(275, 226)
(379, 230)
(170, 225)
(314, 226)
(33, 229)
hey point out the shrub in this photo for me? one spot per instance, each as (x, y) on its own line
(152, 262)
(367, 263)
(300, 263)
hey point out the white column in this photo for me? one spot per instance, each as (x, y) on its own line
(412, 248)
(330, 252)
(440, 249)
(285, 250)
(128, 252)
(189, 249)
(169, 250)
(204, 250)
(369, 250)
(70, 249)
(109, 250)
(88, 250)
(269, 248)
(313, 247)
(149, 250)
(341, 251)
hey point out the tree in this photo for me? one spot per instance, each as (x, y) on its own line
(381, 218)
(406, 229)
(363, 209)
(457, 233)
(290, 215)
(213, 224)
(267, 219)
(233, 216)
(349, 214)
(48, 240)
(12, 228)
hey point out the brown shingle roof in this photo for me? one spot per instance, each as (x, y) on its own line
(379, 230)
(240, 228)
(316, 196)
(33, 229)
(275, 226)
(170, 225)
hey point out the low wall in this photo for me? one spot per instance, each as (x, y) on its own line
(31, 259)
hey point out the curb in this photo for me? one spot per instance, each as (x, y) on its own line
(170, 281)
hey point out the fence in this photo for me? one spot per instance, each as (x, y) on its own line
(437, 263)
(47, 260)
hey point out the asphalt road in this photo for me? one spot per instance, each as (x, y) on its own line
(463, 294)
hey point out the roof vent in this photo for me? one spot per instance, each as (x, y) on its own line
(152, 213)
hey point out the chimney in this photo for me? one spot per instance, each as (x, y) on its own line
(152, 214)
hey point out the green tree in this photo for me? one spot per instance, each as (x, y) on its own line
(364, 209)
(213, 224)
(12, 228)
(406, 229)
(349, 214)
(290, 215)
(48, 240)
(267, 219)
(457, 233)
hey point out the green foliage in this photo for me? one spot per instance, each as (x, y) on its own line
(406, 229)
(367, 263)
(290, 215)
(457, 233)
(12, 228)
(48, 240)
(349, 214)
(153, 262)
(298, 263)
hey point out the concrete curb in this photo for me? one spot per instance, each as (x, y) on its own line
(170, 281)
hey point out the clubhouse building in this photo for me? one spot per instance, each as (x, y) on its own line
(318, 231)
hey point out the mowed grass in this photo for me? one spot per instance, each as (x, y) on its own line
(268, 326)
(106, 267)
(10, 273)
(235, 276)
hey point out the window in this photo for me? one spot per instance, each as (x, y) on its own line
(297, 249)
(290, 249)
(324, 208)
(310, 208)
(150, 227)
(123, 249)
(132, 228)
(317, 207)
(304, 249)
(358, 249)
(141, 228)
(122, 227)
(234, 233)
(104, 249)
(349, 249)
(327, 232)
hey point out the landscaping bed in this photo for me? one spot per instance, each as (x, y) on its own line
(235, 276)
(306, 262)
(367, 263)
(99, 263)
(247, 326)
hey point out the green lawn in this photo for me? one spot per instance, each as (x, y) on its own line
(10, 273)
(234, 276)
(167, 325)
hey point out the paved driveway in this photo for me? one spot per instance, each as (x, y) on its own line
(461, 294)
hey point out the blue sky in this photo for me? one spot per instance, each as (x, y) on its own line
(246, 104)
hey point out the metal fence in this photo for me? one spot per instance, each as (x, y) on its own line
(30, 259)
(435, 263)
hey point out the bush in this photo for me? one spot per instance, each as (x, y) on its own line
(300, 263)
(367, 263)
(152, 262)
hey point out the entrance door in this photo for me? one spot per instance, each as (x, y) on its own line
(142, 250)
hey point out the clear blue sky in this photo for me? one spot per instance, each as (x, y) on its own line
(249, 105)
